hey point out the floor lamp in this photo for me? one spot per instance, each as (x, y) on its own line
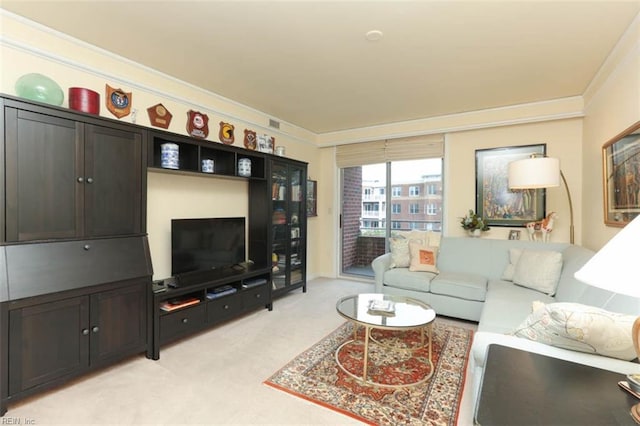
(539, 172)
(615, 269)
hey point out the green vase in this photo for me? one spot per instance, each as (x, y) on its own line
(41, 88)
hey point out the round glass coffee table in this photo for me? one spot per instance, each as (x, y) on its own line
(386, 312)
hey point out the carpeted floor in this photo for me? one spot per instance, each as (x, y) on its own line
(315, 376)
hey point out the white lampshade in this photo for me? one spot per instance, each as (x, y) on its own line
(615, 267)
(531, 173)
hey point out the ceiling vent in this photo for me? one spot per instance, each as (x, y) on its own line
(274, 124)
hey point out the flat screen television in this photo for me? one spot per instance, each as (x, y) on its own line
(206, 244)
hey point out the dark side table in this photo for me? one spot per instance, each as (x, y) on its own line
(524, 388)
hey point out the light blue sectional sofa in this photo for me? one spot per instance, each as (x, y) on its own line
(468, 269)
(470, 286)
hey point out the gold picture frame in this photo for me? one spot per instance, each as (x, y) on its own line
(621, 177)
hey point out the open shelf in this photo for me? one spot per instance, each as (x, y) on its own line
(192, 151)
(239, 291)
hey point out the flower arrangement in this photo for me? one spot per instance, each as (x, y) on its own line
(472, 222)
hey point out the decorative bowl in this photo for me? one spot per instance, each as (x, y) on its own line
(38, 87)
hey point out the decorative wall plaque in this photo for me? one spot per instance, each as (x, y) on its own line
(159, 116)
(226, 133)
(197, 124)
(265, 143)
(118, 101)
(250, 139)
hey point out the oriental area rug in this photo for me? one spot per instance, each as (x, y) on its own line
(315, 376)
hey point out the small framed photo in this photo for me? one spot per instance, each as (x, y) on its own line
(266, 143)
(514, 234)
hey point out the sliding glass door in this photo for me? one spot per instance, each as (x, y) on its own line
(385, 199)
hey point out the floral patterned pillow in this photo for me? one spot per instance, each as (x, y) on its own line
(400, 257)
(580, 328)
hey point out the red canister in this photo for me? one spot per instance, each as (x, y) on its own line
(84, 100)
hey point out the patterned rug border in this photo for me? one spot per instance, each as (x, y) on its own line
(333, 335)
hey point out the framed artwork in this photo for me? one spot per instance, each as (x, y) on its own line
(514, 234)
(621, 177)
(495, 202)
(312, 202)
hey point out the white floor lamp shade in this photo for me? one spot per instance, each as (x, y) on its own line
(615, 266)
(533, 173)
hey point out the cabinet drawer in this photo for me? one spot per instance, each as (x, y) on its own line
(182, 322)
(224, 307)
(255, 296)
(36, 269)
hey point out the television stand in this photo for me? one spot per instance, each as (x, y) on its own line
(206, 299)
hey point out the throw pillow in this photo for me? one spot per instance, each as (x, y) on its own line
(427, 237)
(538, 270)
(514, 256)
(580, 328)
(400, 257)
(423, 257)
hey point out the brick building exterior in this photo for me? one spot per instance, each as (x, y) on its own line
(414, 205)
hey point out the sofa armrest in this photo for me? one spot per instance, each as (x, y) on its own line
(380, 265)
(482, 340)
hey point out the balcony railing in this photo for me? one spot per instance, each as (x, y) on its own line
(371, 214)
(373, 197)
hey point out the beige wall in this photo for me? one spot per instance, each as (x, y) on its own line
(612, 103)
(563, 139)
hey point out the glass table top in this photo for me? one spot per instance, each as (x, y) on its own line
(385, 310)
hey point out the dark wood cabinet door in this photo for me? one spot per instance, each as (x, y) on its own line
(113, 181)
(118, 323)
(43, 177)
(47, 341)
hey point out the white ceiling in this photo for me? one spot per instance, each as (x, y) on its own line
(308, 62)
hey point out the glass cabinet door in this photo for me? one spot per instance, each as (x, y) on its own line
(296, 243)
(287, 194)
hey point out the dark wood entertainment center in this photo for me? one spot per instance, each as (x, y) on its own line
(174, 324)
(76, 291)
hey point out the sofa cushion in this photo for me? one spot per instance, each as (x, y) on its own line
(580, 328)
(403, 278)
(507, 305)
(423, 257)
(427, 237)
(484, 256)
(460, 285)
(538, 270)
